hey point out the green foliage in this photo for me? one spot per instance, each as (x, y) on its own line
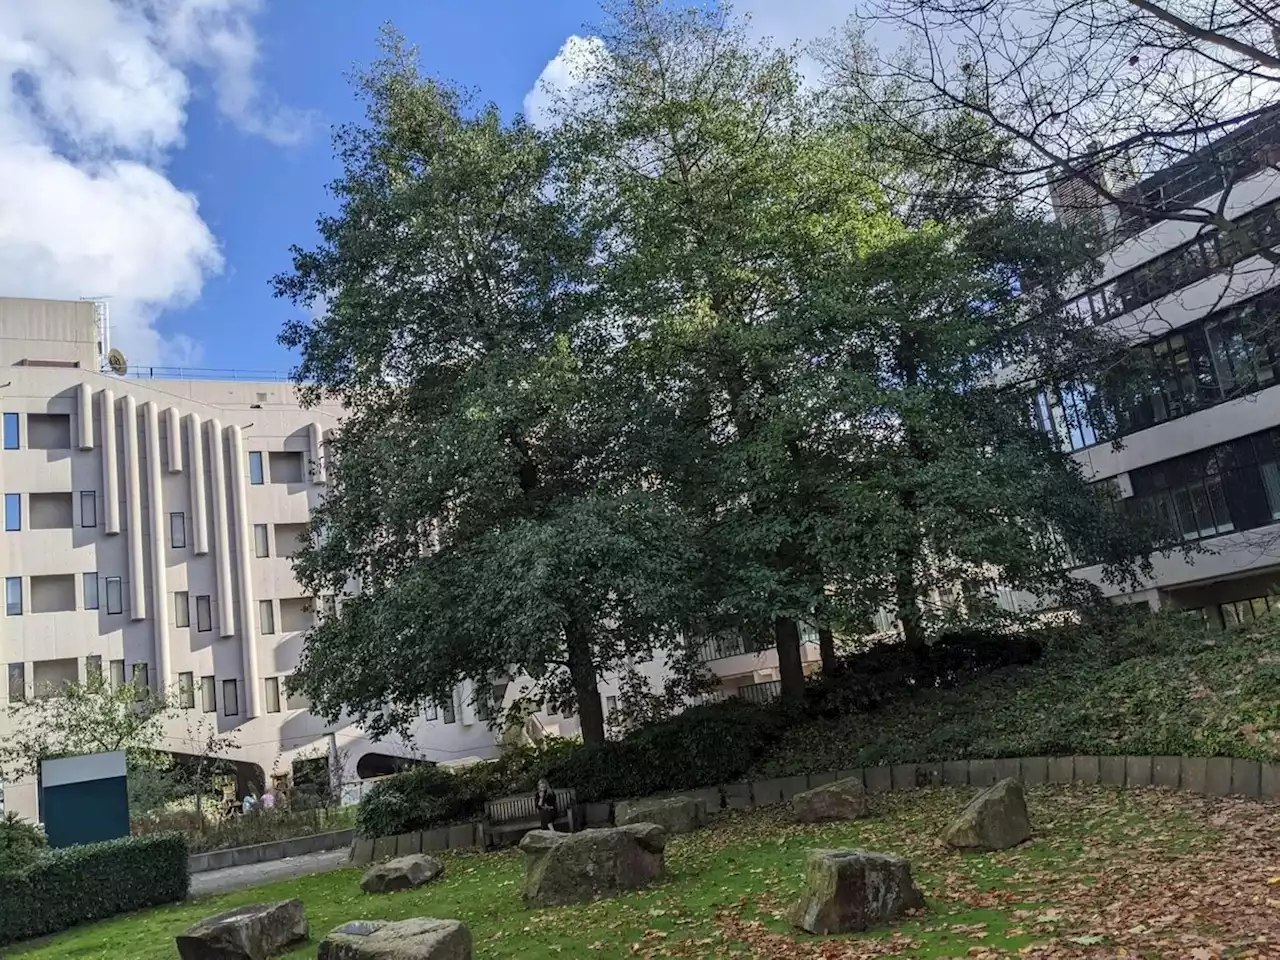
(21, 843)
(78, 884)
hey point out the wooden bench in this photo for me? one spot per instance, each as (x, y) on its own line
(517, 815)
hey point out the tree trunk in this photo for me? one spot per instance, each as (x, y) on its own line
(582, 670)
(908, 602)
(827, 650)
(790, 667)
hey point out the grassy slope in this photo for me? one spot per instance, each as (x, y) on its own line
(728, 885)
(1166, 688)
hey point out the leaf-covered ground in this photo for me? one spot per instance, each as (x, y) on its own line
(1109, 874)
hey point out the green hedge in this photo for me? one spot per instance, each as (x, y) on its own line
(78, 884)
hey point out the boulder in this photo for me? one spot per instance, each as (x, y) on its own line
(404, 873)
(421, 938)
(255, 932)
(996, 819)
(577, 867)
(851, 890)
(841, 800)
(673, 814)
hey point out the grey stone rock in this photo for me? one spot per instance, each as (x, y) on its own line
(254, 932)
(996, 819)
(839, 800)
(592, 864)
(850, 890)
(673, 814)
(405, 873)
(421, 938)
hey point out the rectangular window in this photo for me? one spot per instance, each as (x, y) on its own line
(12, 511)
(261, 545)
(208, 695)
(91, 591)
(266, 617)
(117, 674)
(255, 467)
(273, 694)
(450, 716)
(181, 609)
(17, 682)
(115, 595)
(12, 431)
(88, 508)
(13, 596)
(610, 704)
(432, 712)
(230, 699)
(142, 680)
(204, 614)
(187, 691)
(177, 531)
(93, 667)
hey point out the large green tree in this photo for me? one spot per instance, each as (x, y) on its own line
(483, 510)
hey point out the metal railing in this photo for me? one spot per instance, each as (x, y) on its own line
(761, 692)
(205, 373)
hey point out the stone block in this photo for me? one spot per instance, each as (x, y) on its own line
(361, 851)
(1246, 778)
(818, 779)
(253, 932)
(1137, 771)
(1218, 776)
(462, 836)
(435, 840)
(996, 819)
(1088, 770)
(793, 785)
(856, 773)
(1035, 771)
(384, 848)
(673, 814)
(1061, 770)
(737, 796)
(879, 779)
(422, 938)
(710, 797)
(1166, 772)
(598, 814)
(1112, 771)
(565, 868)
(839, 800)
(765, 793)
(408, 844)
(852, 890)
(929, 775)
(902, 776)
(1008, 767)
(403, 873)
(982, 773)
(955, 773)
(1195, 774)
(1270, 785)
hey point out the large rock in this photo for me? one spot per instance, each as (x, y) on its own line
(577, 867)
(841, 800)
(404, 873)
(419, 939)
(673, 814)
(996, 819)
(850, 890)
(255, 932)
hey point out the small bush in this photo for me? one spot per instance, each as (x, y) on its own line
(21, 843)
(78, 884)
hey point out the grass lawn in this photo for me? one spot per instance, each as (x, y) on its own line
(1132, 874)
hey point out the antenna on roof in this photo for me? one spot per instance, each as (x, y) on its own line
(103, 318)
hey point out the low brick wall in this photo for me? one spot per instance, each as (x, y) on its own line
(263, 852)
(1213, 776)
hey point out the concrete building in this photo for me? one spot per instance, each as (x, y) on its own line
(1202, 448)
(149, 522)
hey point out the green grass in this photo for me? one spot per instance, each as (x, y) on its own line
(728, 887)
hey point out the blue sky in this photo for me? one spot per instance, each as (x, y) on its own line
(166, 153)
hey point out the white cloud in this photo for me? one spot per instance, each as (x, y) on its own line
(93, 99)
(565, 71)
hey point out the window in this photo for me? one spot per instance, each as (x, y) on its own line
(611, 704)
(142, 680)
(12, 511)
(187, 691)
(255, 467)
(12, 431)
(91, 591)
(204, 614)
(450, 716)
(115, 595)
(13, 596)
(17, 682)
(177, 531)
(181, 609)
(208, 694)
(93, 667)
(88, 508)
(328, 607)
(431, 712)
(230, 699)
(117, 674)
(266, 617)
(273, 694)
(261, 545)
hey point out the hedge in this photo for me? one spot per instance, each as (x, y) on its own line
(78, 884)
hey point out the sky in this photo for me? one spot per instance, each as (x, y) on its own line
(165, 154)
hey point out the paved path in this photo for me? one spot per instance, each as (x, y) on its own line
(256, 874)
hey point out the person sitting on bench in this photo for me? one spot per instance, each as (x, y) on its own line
(544, 801)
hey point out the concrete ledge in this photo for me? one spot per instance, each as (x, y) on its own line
(879, 779)
(273, 850)
(1009, 767)
(737, 796)
(1035, 771)
(902, 776)
(955, 773)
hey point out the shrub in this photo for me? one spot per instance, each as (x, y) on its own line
(21, 843)
(78, 884)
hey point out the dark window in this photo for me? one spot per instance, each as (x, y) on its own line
(446, 709)
(117, 674)
(177, 530)
(272, 685)
(93, 667)
(12, 431)
(187, 691)
(88, 508)
(432, 712)
(230, 699)
(204, 615)
(181, 609)
(13, 596)
(255, 467)
(115, 595)
(208, 694)
(91, 591)
(142, 680)
(17, 682)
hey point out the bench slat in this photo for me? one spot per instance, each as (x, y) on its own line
(508, 810)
